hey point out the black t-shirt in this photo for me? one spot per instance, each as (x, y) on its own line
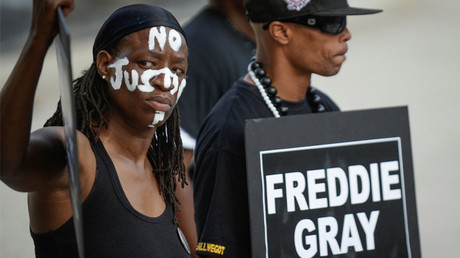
(111, 226)
(221, 201)
(218, 56)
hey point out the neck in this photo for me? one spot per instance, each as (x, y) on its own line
(258, 76)
(127, 142)
(235, 14)
(291, 85)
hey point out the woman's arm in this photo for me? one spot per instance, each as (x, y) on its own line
(21, 153)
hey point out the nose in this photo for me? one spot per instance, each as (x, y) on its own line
(345, 35)
(163, 81)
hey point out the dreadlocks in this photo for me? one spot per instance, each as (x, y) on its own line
(165, 152)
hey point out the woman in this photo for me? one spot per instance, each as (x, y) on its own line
(129, 147)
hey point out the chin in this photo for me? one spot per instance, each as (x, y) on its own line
(335, 70)
(330, 73)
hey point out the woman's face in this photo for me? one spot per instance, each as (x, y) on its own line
(147, 75)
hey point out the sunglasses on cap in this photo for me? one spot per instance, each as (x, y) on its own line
(327, 24)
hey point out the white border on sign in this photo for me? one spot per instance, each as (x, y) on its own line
(331, 145)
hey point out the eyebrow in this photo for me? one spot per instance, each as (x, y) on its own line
(179, 57)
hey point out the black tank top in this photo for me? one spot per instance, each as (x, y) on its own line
(112, 227)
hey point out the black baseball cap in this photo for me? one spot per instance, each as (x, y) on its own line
(272, 10)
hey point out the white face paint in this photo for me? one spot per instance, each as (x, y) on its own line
(174, 38)
(118, 64)
(135, 80)
(181, 88)
(159, 116)
(155, 34)
(145, 78)
(159, 35)
(169, 77)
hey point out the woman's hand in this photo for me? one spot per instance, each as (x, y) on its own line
(44, 25)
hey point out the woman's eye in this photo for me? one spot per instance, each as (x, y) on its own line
(147, 64)
(178, 71)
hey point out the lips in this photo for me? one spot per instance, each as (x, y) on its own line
(340, 57)
(159, 103)
(343, 52)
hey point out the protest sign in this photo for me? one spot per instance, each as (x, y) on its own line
(67, 103)
(334, 184)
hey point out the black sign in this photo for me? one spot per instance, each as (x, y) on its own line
(70, 121)
(334, 184)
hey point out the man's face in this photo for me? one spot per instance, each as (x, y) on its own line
(148, 75)
(317, 52)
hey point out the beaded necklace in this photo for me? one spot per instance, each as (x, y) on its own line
(268, 92)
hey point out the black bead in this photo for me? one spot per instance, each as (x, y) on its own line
(283, 110)
(254, 65)
(311, 90)
(259, 72)
(266, 81)
(271, 91)
(316, 98)
(277, 101)
(320, 108)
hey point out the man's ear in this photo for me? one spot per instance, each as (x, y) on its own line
(279, 32)
(103, 60)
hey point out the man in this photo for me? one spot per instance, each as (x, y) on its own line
(295, 39)
(130, 151)
(221, 43)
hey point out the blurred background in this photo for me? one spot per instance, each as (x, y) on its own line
(406, 56)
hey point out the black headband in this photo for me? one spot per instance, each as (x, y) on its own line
(129, 19)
